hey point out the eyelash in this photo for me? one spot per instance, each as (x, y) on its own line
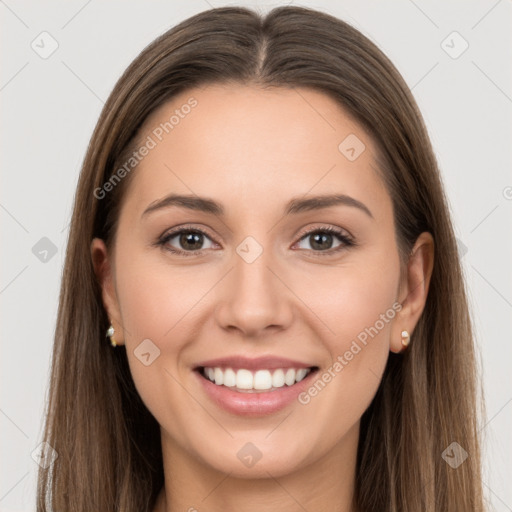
(346, 240)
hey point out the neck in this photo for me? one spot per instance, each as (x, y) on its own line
(325, 484)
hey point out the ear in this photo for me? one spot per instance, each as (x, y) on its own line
(414, 290)
(103, 269)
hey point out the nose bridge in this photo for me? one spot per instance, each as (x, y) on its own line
(254, 297)
(253, 279)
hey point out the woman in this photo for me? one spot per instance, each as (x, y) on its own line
(260, 230)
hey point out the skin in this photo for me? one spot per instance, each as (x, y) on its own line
(253, 150)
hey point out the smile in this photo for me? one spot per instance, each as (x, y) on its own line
(247, 381)
(253, 393)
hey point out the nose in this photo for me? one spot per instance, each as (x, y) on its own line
(254, 298)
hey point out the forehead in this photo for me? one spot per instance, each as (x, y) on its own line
(252, 146)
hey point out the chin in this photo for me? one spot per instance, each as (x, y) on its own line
(246, 460)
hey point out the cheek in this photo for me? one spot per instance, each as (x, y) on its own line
(357, 306)
(157, 308)
(350, 299)
(155, 299)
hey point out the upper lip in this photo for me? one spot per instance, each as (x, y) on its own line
(258, 363)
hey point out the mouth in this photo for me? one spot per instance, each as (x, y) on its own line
(253, 386)
(243, 380)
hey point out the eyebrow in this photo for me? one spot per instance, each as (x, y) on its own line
(294, 206)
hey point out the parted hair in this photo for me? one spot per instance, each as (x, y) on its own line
(108, 443)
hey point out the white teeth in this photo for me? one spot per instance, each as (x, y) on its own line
(278, 379)
(219, 376)
(229, 378)
(259, 380)
(244, 379)
(301, 373)
(290, 377)
(262, 379)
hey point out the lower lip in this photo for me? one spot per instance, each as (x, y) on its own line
(255, 403)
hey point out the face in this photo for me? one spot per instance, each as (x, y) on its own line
(259, 278)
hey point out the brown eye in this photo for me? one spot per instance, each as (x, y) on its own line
(186, 241)
(190, 241)
(321, 240)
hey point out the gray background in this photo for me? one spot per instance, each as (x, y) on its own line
(50, 106)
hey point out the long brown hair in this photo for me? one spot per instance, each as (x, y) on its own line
(108, 443)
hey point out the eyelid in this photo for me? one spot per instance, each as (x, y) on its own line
(329, 229)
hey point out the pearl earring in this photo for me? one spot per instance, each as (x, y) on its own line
(405, 339)
(110, 334)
